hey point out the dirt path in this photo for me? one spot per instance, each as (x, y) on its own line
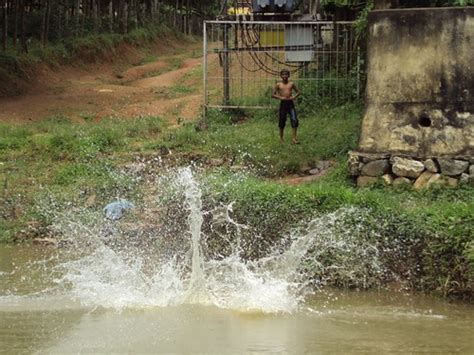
(168, 87)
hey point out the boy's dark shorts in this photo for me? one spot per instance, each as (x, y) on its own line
(288, 108)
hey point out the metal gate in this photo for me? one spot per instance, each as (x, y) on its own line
(243, 60)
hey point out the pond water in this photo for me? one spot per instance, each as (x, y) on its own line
(37, 316)
(104, 293)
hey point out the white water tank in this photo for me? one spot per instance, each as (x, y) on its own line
(299, 37)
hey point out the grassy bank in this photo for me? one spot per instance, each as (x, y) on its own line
(426, 236)
(71, 161)
(250, 139)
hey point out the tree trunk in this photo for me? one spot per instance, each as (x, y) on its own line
(138, 14)
(149, 10)
(48, 20)
(122, 16)
(43, 21)
(15, 24)
(99, 15)
(24, 45)
(188, 16)
(67, 16)
(175, 18)
(76, 17)
(125, 18)
(59, 19)
(84, 15)
(111, 16)
(94, 16)
(4, 24)
(157, 10)
(184, 25)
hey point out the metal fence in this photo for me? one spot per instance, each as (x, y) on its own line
(243, 59)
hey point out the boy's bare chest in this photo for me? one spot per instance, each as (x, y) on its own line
(285, 87)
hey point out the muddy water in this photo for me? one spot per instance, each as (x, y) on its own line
(38, 315)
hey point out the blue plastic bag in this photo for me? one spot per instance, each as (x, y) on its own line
(116, 209)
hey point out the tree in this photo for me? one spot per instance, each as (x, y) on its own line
(43, 21)
(4, 5)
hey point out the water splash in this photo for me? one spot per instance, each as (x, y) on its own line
(196, 292)
(117, 277)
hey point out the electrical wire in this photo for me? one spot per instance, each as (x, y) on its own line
(258, 60)
(276, 58)
(257, 41)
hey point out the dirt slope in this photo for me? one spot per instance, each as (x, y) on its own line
(99, 91)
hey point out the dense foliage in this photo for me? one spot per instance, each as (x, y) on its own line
(26, 21)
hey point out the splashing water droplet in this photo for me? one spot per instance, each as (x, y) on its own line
(124, 277)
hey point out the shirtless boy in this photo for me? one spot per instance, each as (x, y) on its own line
(283, 91)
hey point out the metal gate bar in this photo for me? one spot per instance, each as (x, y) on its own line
(242, 61)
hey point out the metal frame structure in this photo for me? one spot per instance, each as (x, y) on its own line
(242, 61)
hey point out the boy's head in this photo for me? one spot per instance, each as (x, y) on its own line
(284, 74)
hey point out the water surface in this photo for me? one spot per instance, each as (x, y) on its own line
(38, 315)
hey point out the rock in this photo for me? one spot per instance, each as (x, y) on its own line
(451, 182)
(464, 179)
(33, 230)
(400, 181)
(471, 171)
(405, 167)
(388, 179)
(304, 169)
(364, 181)
(91, 200)
(442, 181)
(452, 167)
(46, 241)
(431, 165)
(354, 166)
(376, 168)
(237, 167)
(368, 157)
(115, 210)
(323, 165)
(165, 151)
(135, 168)
(216, 162)
(201, 125)
(435, 180)
(422, 181)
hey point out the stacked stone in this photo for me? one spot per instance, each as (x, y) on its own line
(403, 170)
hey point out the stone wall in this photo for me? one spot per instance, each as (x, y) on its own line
(418, 126)
(393, 169)
(420, 84)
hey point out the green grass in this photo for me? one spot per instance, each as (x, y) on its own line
(425, 237)
(149, 58)
(173, 91)
(429, 233)
(74, 161)
(254, 142)
(69, 160)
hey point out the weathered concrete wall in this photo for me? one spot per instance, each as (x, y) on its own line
(420, 87)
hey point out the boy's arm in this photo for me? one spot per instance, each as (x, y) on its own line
(297, 91)
(276, 92)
